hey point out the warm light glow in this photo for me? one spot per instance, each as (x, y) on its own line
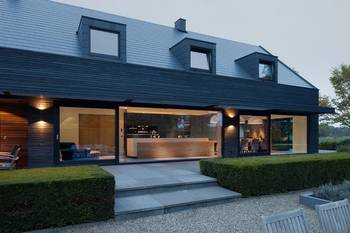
(42, 103)
(230, 127)
(230, 113)
(41, 124)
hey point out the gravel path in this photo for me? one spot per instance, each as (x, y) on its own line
(240, 216)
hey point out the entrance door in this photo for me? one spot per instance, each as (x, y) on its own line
(14, 130)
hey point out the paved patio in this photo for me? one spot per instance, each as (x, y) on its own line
(151, 174)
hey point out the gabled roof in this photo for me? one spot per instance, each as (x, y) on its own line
(47, 26)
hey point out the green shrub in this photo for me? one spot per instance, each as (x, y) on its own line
(328, 145)
(343, 146)
(333, 143)
(49, 197)
(253, 176)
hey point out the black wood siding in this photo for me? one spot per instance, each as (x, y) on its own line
(32, 74)
(41, 137)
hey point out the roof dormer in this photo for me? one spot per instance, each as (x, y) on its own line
(260, 66)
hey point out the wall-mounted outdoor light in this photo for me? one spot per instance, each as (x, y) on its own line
(41, 103)
(231, 113)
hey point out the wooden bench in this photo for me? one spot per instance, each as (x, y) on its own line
(287, 222)
(334, 217)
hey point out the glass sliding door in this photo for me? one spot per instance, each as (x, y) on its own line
(253, 134)
(167, 134)
(288, 134)
(87, 134)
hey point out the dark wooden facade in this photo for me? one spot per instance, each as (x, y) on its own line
(66, 80)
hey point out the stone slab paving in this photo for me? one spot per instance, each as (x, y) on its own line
(165, 200)
(242, 216)
(155, 174)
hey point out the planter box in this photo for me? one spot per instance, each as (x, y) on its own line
(310, 201)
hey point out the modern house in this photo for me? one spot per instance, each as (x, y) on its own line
(82, 86)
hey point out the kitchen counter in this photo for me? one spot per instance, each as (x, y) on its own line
(170, 147)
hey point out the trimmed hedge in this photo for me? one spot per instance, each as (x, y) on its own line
(333, 143)
(343, 146)
(328, 145)
(253, 176)
(50, 197)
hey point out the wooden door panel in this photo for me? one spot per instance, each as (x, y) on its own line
(89, 129)
(14, 130)
(97, 129)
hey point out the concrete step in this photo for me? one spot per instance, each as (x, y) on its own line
(159, 186)
(164, 202)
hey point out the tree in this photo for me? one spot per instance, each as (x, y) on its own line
(340, 80)
(326, 119)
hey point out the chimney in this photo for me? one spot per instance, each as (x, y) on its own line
(180, 25)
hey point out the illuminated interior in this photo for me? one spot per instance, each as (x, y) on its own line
(87, 134)
(288, 134)
(162, 134)
(253, 134)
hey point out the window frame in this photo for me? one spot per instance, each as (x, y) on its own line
(209, 55)
(102, 54)
(272, 64)
(87, 104)
(84, 36)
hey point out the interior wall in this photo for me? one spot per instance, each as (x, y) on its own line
(69, 121)
(299, 134)
(97, 130)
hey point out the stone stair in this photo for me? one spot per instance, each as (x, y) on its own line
(163, 197)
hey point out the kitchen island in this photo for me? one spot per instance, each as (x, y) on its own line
(145, 148)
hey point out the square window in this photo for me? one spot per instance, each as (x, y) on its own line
(104, 42)
(266, 70)
(200, 60)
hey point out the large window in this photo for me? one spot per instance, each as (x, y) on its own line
(253, 134)
(161, 134)
(266, 70)
(200, 59)
(288, 134)
(104, 42)
(87, 134)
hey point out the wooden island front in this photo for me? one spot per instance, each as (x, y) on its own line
(145, 148)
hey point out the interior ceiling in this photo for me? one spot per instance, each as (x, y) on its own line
(280, 116)
(252, 119)
(169, 111)
(93, 111)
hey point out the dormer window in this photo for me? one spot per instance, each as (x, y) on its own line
(101, 39)
(196, 55)
(260, 66)
(200, 59)
(104, 42)
(266, 70)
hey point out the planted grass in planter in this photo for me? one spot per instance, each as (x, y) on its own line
(332, 192)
